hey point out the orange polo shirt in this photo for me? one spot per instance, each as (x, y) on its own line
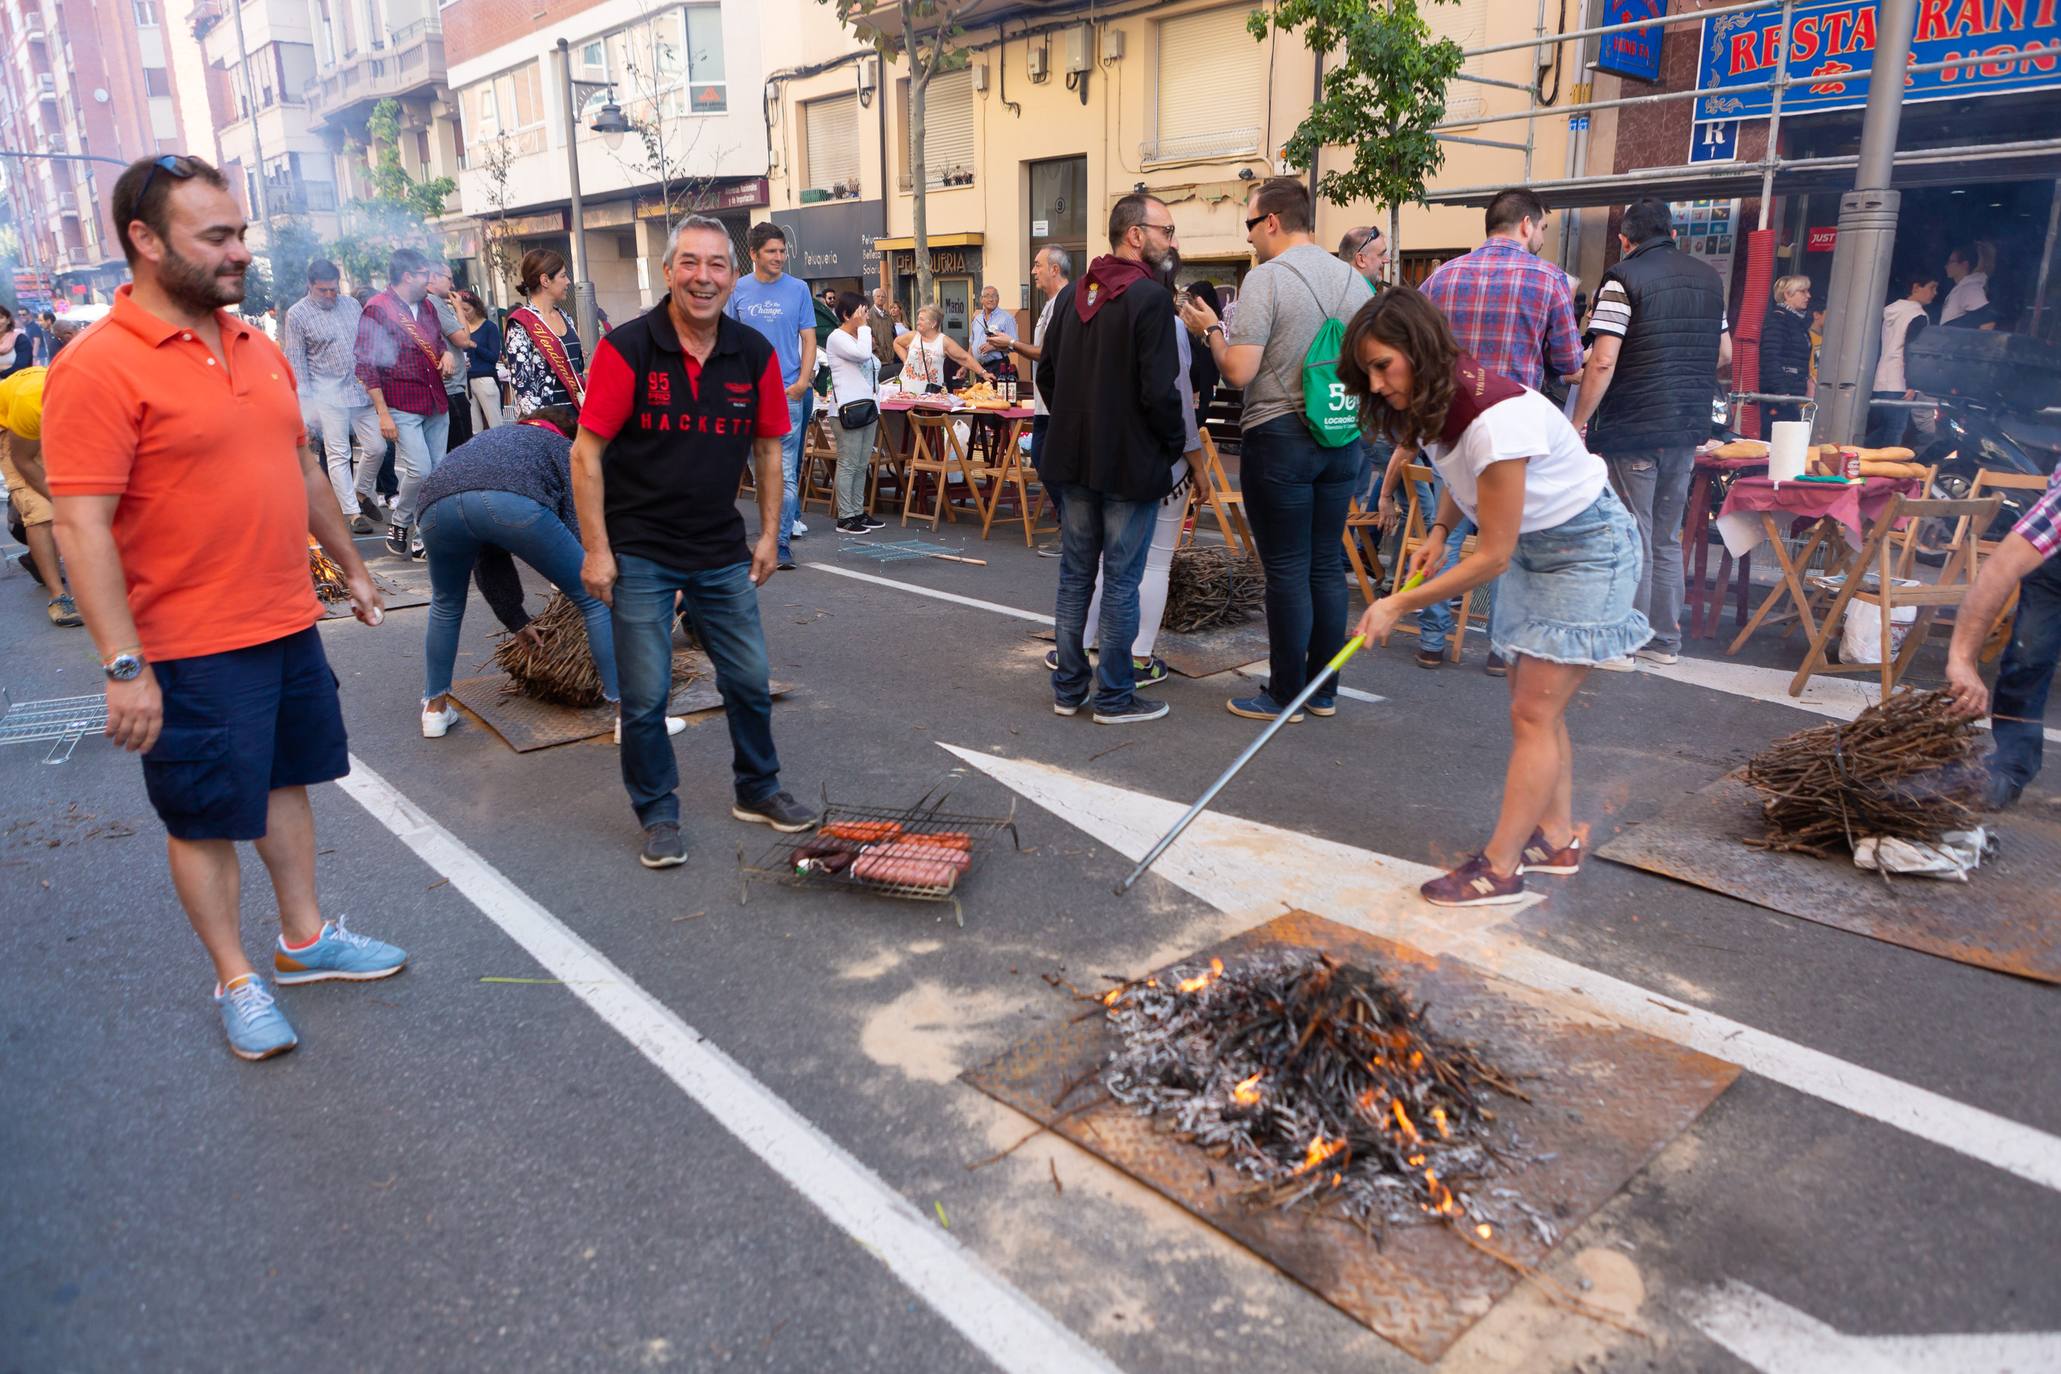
(212, 526)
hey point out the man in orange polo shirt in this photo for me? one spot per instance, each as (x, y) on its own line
(206, 627)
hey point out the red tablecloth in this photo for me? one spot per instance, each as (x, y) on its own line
(903, 402)
(1853, 506)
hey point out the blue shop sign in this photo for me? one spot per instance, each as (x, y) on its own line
(1832, 47)
(1635, 52)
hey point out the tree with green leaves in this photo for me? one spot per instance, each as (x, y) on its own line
(925, 35)
(397, 212)
(1385, 85)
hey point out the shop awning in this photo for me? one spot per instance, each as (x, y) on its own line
(907, 242)
(2032, 159)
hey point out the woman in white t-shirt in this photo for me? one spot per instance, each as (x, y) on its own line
(925, 353)
(1548, 525)
(854, 395)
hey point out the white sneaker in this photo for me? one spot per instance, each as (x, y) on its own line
(436, 723)
(674, 725)
(798, 531)
(1619, 665)
(1653, 655)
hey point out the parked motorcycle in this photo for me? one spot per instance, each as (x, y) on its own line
(1993, 391)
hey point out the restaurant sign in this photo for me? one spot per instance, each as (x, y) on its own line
(1832, 46)
(1631, 52)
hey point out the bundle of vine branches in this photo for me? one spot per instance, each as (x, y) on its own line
(560, 667)
(1210, 588)
(1904, 768)
(1320, 1084)
(328, 577)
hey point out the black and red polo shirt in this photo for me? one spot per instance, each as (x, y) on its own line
(680, 432)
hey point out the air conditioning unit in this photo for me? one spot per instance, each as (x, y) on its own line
(46, 85)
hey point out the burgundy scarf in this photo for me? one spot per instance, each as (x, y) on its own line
(1475, 389)
(1108, 277)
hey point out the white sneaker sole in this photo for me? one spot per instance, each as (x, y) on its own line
(253, 1056)
(670, 861)
(1138, 719)
(330, 975)
(1501, 899)
(743, 815)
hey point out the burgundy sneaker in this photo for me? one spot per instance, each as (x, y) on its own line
(1474, 883)
(1540, 857)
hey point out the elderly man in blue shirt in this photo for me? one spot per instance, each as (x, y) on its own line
(993, 330)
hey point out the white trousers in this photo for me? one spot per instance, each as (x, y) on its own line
(486, 403)
(339, 424)
(1159, 565)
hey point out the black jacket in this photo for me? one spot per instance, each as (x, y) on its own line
(1666, 373)
(1113, 389)
(1785, 353)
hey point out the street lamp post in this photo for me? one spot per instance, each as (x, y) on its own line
(583, 286)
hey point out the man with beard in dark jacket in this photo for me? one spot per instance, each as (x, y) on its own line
(1109, 370)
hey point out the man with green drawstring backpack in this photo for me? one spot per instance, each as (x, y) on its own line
(1299, 455)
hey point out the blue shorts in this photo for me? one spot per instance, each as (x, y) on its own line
(237, 726)
(1567, 595)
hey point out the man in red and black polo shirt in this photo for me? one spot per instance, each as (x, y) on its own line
(677, 400)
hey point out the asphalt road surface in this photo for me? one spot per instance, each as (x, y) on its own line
(615, 1119)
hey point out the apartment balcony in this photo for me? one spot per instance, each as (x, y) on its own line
(45, 86)
(32, 30)
(80, 257)
(409, 61)
(205, 14)
(68, 204)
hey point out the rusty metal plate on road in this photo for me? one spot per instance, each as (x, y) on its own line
(392, 594)
(1205, 654)
(2003, 918)
(1605, 1100)
(525, 723)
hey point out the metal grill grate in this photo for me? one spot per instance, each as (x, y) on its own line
(896, 552)
(61, 721)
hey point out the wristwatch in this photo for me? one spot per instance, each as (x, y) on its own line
(125, 666)
(1217, 328)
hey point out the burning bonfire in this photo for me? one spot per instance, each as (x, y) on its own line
(1321, 1085)
(326, 575)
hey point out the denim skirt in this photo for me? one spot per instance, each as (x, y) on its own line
(1567, 595)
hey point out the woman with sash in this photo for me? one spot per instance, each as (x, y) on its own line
(546, 364)
(1548, 525)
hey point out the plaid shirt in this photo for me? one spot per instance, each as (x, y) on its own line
(391, 360)
(2041, 526)
(1511, 310)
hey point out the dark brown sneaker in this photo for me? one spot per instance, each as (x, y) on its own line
(1474, 883)
(1541, 857)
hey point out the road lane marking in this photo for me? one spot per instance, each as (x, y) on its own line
(1249, 870)
(997, 607)
(1775, 1338)
(1007, 1327)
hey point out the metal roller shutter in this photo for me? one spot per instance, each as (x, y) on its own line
(947, 126)
(831, 127)
(1206, 107)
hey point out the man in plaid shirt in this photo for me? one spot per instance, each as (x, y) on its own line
(402, 362)
(2024, 561)
(1508, 306)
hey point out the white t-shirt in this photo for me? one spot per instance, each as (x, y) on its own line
(925, 364)
(1970, 293)
(1038, 406)
(852, 366)
(1561, 477)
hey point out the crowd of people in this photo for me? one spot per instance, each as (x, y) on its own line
(613, 469)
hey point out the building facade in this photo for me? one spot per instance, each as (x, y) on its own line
(367, 51)
(687, 78)
(1056, 116)
(260, 60)
(82, 81)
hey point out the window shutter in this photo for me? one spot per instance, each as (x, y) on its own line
(1466, 23)
(831, 126)
(947, 126)
(1205, 107)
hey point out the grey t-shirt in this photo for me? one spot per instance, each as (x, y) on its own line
(447, 321)
(1278, 312)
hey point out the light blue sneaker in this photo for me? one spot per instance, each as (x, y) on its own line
(339, 953)
(257, 1028)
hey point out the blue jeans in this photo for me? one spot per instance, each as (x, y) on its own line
(418, 448)
(723, 606)
(455, 529)
(790, 470)
(1654, 486)
(1296, 495)
(2025, 675)
(1436, 621)
(1117, 536)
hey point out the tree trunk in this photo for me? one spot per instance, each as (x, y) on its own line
(919, 85)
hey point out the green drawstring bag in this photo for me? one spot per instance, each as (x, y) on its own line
(1333, 416)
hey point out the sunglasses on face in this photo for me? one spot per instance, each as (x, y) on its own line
(1256, 219)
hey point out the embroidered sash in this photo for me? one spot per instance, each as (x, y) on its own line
(400, 317)
(553, 351)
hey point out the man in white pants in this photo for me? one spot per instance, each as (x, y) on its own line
(320, 338)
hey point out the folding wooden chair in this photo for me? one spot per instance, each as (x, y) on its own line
(819, 467)
(1824, 586)
(1956, 577)
(1363, 535)
(938, 452)
(886, 466)
(1415, 529)
(1212, 487)
(1006, 472)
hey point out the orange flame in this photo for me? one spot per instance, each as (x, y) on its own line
(1402, 1119)
(1109, 997)
(1319, 1151)
(1246, 1094)
(1203, 980)
(1484, 1230)
(1441, 1196)
(1438, 1119)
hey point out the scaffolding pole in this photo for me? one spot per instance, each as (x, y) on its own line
(1769, 155)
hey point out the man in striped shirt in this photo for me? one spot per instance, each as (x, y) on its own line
(320, 336)
(2025, 561)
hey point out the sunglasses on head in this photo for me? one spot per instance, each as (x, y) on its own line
(172, 165)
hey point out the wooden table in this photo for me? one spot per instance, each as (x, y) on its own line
(1754, 506)
(1007, 425)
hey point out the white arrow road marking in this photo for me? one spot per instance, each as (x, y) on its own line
(1008, 1328)
(1249, 871)
(1777, 1339)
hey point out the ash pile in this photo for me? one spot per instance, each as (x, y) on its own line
(1322, 1087)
